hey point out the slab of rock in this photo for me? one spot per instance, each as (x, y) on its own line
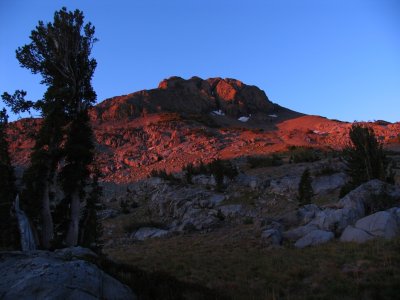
(314, 238)
(232, 210)
(307, 213)
(216, 199)
(380, 224)
(149, 232)
(272, 237)
(396, 213)
(336, 220)
(299, 232)
(362, 196)
(329, 183)
(107, 214)
(352, 234)
(43, 275)
(198, 219)
(75, 252)
(287, 185)
(352, 206)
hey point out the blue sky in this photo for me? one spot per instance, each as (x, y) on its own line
(335, 58)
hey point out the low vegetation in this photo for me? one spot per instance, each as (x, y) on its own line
(303, 154)
(238, 266)
(264, 161)
(217, 168)
(150, 285)
(163, 174)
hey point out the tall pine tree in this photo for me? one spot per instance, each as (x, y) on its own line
(60, 51)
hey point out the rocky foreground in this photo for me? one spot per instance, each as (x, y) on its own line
(253, 240)
(63, 274)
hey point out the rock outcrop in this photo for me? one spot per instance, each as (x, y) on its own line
(149, 232)
(348, 220)
(380, 224)
(193, 96)
(315, 237)
(60, 275)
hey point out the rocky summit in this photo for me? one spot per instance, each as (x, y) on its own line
(193, 96)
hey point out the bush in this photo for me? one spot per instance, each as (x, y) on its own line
(303, 154)
(264, 161)
(129, 228)
(380, 202)
(324, 171)
(189, 171)
(248, 221)
(347, 188)
(218, 168)
(164, 175)
(220, 215)
(123, 204)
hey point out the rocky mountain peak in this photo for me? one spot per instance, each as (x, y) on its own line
(192, 96)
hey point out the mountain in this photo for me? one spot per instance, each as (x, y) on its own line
(185, 235)
(193, 96)
(188, 121)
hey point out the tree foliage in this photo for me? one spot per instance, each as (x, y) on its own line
(60, 53)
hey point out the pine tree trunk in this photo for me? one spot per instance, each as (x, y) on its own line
(73, 230)
(27, 237)
(48, 226)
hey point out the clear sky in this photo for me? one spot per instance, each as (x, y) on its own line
(335, 58)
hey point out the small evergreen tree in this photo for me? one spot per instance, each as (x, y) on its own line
(305, 188)
(364, 157)
(8, 225)
(189, 171)
(217, 170)
(91, 227)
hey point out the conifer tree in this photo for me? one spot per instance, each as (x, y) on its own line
(305, 188)
(60, 51)
(91, 227)
(364, 157)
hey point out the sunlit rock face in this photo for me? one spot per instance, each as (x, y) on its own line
(193, 96)
(188, 121)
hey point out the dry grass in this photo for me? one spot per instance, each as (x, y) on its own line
(234, 262)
